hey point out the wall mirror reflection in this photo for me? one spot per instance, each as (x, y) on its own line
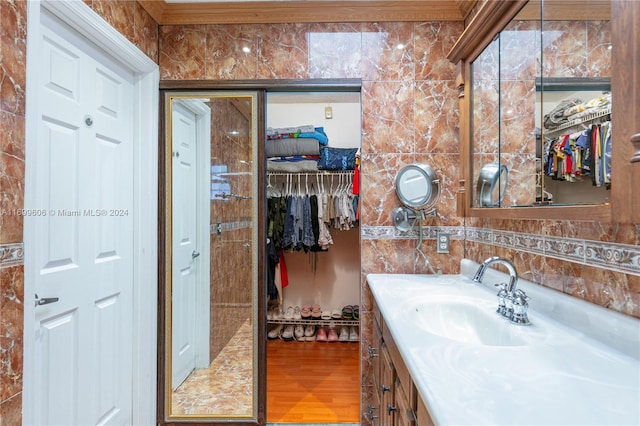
(537, 89)
(211, 334)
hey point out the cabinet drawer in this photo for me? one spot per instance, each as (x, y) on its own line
(400, 367)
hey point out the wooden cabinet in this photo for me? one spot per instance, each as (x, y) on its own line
(395, 393)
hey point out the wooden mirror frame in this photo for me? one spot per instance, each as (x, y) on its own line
(625, 84)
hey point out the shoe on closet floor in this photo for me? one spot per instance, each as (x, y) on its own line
(344, 334)
(298, 332)
(287, 333)
(332, 336)
(274, 333)
(310, 333)
(353, 334)
(321, 335)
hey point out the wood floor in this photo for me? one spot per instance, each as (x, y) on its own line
(313, 382)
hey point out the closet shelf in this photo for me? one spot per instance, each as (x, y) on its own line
(321, 322)
(579, 123)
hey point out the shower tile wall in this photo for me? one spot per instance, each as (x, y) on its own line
(231, 280)
(409, 114)
(136, 24)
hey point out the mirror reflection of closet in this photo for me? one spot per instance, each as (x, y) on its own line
(313, 305)
(514, 85)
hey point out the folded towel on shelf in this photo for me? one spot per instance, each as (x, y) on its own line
(289, 147)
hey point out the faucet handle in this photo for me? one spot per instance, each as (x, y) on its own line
(502, 296)
(520, 307)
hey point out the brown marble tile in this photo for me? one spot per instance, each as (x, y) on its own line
(13, 78)
(437, 117)
(11, 331)
(387, 52)
(565, 51)
(232, 52)
(388, 111)
(284, 51)
(335, 50)
(599, 48)
(119, 13)
(377, 180)
(225, 388)
(182, 50)
(520, 51)
(146, 32)
(432, 43)
(11, 411)
(14, 18)
(517, 117)
(11, 177)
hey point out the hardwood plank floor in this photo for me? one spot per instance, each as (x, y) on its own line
(313, 382)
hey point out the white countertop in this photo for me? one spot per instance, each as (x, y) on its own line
(553, 375)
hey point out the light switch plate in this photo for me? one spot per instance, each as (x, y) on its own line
(442, 242)
(328, 112)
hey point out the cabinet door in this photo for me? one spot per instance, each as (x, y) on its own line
(386, 388)
(423, 417)
(404, 415)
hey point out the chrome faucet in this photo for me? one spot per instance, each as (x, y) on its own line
(512, 303)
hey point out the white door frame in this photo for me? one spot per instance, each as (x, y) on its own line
(203, 213)
(94, 28)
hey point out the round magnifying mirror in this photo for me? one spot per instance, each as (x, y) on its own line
(492, 184)
(417, 186)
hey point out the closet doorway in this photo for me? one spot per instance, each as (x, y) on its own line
(313, 287)
(216, 306)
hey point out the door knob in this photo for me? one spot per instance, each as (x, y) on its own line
(46, 300)
(195, 254)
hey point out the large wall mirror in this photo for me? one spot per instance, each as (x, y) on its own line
(212, 263)
(539, 106)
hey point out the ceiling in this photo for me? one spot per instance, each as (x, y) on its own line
(183, 12)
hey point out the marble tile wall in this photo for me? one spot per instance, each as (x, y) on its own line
(132, 21)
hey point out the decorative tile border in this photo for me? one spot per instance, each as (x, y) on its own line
(623, 258)
(219, 227)
(391, 233)
(11, 255)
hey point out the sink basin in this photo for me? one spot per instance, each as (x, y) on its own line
(465, 321)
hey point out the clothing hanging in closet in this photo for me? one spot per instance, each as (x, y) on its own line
(301, 218)
(585, 153)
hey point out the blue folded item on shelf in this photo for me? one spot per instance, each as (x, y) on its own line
(337, 158)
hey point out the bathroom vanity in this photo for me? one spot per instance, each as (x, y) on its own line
(443, 356)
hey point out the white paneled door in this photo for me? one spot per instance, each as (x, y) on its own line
(185, 249)
(83, 219)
